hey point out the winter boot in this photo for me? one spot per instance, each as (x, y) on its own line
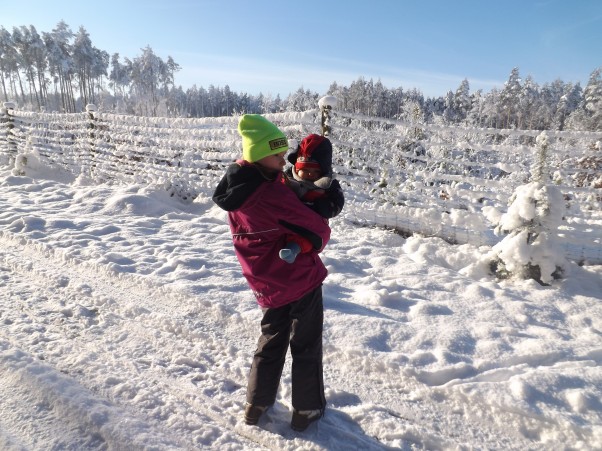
(302, 418)
(253, 413)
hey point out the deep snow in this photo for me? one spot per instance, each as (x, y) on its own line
(126, 324)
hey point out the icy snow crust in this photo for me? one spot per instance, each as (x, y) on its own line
(126, 324)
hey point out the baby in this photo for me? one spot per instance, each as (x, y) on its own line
(311, 178)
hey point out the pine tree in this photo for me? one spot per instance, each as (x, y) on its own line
(8, 63)
(567, 104)
(528, 101)
(26, 43)
(60, 63)
(530, 249)
(462, 101)
(509, 99)
(592, 98)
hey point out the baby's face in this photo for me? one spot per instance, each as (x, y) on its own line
(309, 174)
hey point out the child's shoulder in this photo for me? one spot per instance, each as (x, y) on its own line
(242, 173)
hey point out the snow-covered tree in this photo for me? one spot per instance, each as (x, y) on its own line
(449, 115)
(119, 76)
(301, 100)
(592, 98)
(490, 109)
(462, 101)
(90, 64)
(510, 99)
(32, 61)
(37, 50)
(530, 248)
(149, 74)
(568, 103)
(8, 63)
(549, 98)
(60, 63)
(357, 96)
(527, 107)
(477, 102)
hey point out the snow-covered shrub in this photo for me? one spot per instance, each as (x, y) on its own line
(180, 189)
(530, 248)
(27, 157)
(540, 170)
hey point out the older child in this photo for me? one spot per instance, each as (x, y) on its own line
(262, 212)
(311, 177)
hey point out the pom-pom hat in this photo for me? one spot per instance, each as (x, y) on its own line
(260, 138)
(314, 152)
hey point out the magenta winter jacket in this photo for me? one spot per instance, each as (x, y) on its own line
(261, 213)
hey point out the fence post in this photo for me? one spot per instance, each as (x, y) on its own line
(11, 140)
(91, 109)
(326, 104)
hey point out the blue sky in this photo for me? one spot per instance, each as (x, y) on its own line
(278, 46)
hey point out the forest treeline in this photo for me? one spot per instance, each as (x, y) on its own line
(63, 71)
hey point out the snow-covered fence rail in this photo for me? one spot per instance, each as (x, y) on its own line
(182, 154)
(436, 180)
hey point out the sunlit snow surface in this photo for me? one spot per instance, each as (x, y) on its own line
(125, 323)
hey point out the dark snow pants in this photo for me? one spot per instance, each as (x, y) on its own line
(300, 325)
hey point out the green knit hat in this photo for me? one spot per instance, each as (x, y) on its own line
(260, 138)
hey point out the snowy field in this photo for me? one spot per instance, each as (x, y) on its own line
(126, 325)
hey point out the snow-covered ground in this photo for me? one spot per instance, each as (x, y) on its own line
(125, 324)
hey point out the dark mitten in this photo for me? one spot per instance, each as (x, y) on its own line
(332, 203)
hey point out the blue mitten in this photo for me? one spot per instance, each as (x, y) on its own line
(289, 252)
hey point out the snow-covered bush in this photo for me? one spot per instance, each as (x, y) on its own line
(540, 168)
(530, 248)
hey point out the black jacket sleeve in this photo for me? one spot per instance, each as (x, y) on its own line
(236, 186)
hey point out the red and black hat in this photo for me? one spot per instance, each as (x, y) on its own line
(314, 152)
